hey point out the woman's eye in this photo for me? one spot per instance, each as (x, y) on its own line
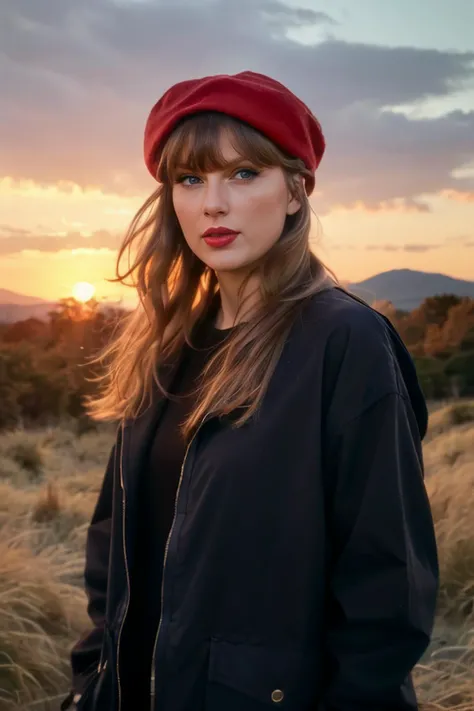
(245, 173)
(249, 173)
(184, 178)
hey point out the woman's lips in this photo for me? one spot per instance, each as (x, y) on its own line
(220, 240)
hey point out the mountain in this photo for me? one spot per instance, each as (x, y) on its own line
(11, 313)
(19, 307)
(407, 288)
(11, 297)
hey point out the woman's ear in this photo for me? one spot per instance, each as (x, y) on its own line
(294, 203)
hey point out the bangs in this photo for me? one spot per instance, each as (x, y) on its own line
(195, 145)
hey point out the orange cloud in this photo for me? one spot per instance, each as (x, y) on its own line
(402, 247)
(464, 196)
(396, 205)
(14, 241)
(58, 189)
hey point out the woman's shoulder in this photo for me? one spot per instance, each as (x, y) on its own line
(362, 355)
(335, 312)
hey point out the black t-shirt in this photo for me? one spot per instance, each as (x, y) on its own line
(157, 493)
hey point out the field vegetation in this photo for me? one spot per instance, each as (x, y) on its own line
(49, 481)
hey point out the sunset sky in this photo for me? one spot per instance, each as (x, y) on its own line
(392, 83)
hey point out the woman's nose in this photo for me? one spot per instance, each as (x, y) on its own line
(215, 198)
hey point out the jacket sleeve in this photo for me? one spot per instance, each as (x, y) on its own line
(383, 571)
(85, 655)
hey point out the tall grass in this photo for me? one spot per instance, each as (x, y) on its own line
(49, 481)
(48, 486)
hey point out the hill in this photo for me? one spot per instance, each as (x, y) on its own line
(11, 311)
(12, 297)
(19, 307)
(407, 288)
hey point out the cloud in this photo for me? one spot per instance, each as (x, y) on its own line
(459, 240)
(420, 247)
(399, 205)
(77, 81)
(459, 195)
(393, 247)
(402, 247)
(13, 232)
(15, 241)
(383, 247)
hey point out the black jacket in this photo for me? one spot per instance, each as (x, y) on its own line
(301, 568)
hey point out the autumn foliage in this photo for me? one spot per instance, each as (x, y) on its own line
(440, 336)
(45, 368)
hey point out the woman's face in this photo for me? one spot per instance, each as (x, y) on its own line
(253, 202)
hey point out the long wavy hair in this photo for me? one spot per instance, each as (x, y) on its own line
(177, 290)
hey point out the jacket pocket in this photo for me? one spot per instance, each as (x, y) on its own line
(248, 677)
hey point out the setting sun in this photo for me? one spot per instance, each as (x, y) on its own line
(83, 291)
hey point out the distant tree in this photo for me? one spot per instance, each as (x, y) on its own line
(433, 342)
(15, 364)
(443, 339)
(467, 343)
(104, 325)
(34, 386)
(433, 380)
(31, 329)
(412, 329)
(459, 324)
(460, 369)
(44, 395)
(435, 309)
(70, 309)
(83, 326)
(69, 320)
(45, 377)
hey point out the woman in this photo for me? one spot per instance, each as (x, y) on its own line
(263, 535)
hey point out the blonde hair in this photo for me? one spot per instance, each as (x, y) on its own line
(176, 289)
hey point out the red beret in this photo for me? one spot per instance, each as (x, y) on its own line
(257, 99)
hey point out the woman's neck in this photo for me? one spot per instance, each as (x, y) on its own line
(229, 285)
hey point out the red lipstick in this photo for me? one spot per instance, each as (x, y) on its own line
(219, 236)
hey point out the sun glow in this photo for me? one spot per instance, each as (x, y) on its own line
(83, 291)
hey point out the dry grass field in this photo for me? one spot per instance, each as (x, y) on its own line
(48, 485)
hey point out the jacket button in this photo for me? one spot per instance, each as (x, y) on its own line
(277, 696)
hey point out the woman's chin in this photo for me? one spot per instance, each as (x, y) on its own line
(225, 262)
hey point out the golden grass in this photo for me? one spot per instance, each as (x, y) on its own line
(445, 677)
(40, 614)
(48, 487)
(49, 481)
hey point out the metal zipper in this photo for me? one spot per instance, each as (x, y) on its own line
(102, 666)
(153, 680)
(126, 570)
(101, 662)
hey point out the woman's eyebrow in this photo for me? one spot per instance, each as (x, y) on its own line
(228, 166)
